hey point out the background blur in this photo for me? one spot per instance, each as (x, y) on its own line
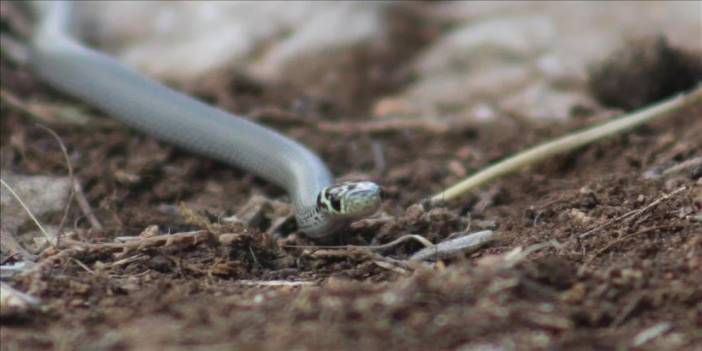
(462, 58)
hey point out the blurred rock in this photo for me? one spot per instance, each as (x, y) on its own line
(488, 43)
(530, 59)
(494, 58)
(181, 41)
(542, 101)
(14, 302)
(42, 194)
(644, 71)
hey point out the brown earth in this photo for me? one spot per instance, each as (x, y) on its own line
(599, 291)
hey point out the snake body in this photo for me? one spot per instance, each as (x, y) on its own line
(321, 208)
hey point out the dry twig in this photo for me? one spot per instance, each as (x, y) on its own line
(627, 237)
(686, 165)
(190, 238)
(384, 126)
(63, 254)
(464, 244)
(85, 207)
(275, 283)
(424, 241)
(632, 214)
(651, 333)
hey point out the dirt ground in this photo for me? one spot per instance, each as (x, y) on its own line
(627, 283)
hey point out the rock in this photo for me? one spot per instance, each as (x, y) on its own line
(488, 43)
(228, 239)
(495, 59)
(42, 194)
(182, 41)
(529, 58)
(540, 100)
(14, 302)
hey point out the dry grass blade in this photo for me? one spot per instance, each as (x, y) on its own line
(567, 143)
(71, 176)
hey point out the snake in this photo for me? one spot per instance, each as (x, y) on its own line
(322, 207)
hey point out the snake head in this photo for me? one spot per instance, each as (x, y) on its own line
(350, 199)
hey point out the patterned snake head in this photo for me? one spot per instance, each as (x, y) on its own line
(350, 199)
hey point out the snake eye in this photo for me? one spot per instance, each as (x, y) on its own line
(336, 203)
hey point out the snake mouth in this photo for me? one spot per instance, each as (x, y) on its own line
(350, 200)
